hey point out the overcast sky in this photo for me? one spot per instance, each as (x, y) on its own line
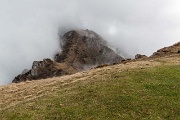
(28, 28)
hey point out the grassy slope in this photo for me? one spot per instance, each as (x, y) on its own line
(138, 90)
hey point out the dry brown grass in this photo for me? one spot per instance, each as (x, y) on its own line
(13, 94)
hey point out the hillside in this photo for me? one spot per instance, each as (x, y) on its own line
(141, 89)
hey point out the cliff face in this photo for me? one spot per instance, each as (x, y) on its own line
(41, 70)
(85, 48)
(81, 50)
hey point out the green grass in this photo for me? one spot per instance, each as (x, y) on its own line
(149, 94)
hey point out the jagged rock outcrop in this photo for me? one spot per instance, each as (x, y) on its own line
(81, 50)
(85, 48)
(41, 70)
(139, 56)
(174, 49)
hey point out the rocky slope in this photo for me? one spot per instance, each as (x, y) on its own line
(174, 49)
(44, 69)
(81, 50)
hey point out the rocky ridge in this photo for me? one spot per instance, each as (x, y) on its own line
(166, 51)
(81, 50)
(174, 49)
(41, 70)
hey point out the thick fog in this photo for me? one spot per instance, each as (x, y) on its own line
(29, 28)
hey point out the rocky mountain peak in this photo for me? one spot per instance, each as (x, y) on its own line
(81, 50)
(86, 47)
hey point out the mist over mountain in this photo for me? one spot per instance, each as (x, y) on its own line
(29, 28)
(81, 50)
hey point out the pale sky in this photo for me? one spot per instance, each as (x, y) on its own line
(28, 28)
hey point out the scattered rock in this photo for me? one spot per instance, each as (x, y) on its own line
(139, 56)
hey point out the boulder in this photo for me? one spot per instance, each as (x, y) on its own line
(139, 56)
